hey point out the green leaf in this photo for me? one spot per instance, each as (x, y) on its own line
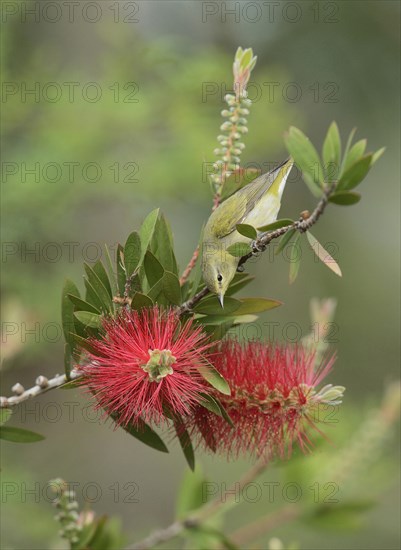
(67, 310)
(191, 493)
(153, 268)
(215, 379)
(99, 288)
(332, 153)
(88, 319)
(185, 442)
(84, 343)
(377, 155)
(110, 270)
(323, 255)
(91, 296)
(355, 173)
(239, 281)
(5, 415)
(18, 435)
(167, 290)
(347, 147)
(141, 300)
(171, 288)
(285, 239)
(82, 305)
(306, 158)
(256, 305)
(276, 225)
(121, 277)
(342, 515)
(354, 154)
(247, 230)
(237, 180)
(144, 433)
(295, 259)
(239, 249)
(211, 306)
(162, 245)
(132, 253)
(147, 230)
(345, 198)
(221, 319)
(213, 405)
(100, 271)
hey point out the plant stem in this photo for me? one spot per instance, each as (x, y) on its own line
(195, 519)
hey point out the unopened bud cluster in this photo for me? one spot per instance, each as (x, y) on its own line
(235, 126)
(67, 515)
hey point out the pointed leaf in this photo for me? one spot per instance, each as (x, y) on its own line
(354, 154)
(84, 343)
(215, 379)
(144, 433)
(238, 283)
(239, 249)
(285, 239)
(5, 415)
(132, 253)
(141, 300)
(110, 270)
(92, 297)
(247, 230)
(213, 405)
(323, 255)
(295, 259)
(89, 319)
(332, 153)
(191, 493)
(256, 305)
(81, 305)
(377, 155)
(101, 272)
(162, 245)
(153, 268)
(67, 310)
(171, 288)
(185, 442)
(355, 173)
(211, 306)
(19, 435)
(147, 230)
(276, 225)
(99, 288)
(345, 198)
(306, 158)
(121, 277)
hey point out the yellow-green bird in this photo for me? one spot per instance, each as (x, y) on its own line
(256, 204)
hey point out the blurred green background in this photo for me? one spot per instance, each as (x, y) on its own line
(110, 109)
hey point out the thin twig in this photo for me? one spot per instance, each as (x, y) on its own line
(253, 531)
(207, 511)
(42, 385)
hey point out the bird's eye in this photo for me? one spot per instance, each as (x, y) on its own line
(219, 278)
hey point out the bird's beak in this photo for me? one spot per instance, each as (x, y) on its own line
(221, 300)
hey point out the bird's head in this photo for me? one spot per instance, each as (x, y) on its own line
(218, 275)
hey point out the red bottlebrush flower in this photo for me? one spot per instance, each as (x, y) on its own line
(271, 403)
(146, 362)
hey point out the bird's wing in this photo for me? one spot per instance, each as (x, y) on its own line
(235, 209)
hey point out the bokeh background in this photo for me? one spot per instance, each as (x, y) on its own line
(123, 116)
